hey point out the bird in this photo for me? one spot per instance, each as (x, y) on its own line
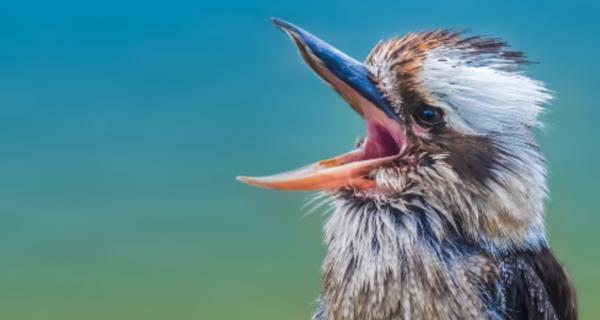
(438, 212)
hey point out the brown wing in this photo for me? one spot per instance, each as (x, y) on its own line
(536, 286)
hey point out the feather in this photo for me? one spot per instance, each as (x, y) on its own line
(537, 287)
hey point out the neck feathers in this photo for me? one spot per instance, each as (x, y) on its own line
(408, 260)
(384, 263)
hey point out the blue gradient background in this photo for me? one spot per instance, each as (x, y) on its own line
(122, 125)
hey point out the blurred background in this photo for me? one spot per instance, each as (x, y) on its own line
(123, 124)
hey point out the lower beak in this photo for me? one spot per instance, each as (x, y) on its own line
(385, 135)
(333, 173)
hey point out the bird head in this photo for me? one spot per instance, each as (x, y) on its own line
(449, 124)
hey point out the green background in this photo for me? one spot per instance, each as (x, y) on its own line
(122, 125)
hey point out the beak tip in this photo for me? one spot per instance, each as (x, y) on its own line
(277, 22)
(253, 181)
(243, 179)
(284, 25)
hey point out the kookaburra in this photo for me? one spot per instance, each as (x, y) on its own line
(438, 213)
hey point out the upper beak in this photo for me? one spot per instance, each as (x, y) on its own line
(343, 73)
(351, 79)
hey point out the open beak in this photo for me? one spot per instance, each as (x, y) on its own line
(385, 134)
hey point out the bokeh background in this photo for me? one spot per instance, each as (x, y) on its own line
(122, 125)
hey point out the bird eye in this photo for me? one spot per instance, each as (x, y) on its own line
(428, 115)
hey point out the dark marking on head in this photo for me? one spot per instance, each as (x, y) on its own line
(472, 157)
(484, 45)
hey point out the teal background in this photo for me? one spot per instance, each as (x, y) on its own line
(122, 125)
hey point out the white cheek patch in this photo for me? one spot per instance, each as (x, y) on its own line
(482, 93)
